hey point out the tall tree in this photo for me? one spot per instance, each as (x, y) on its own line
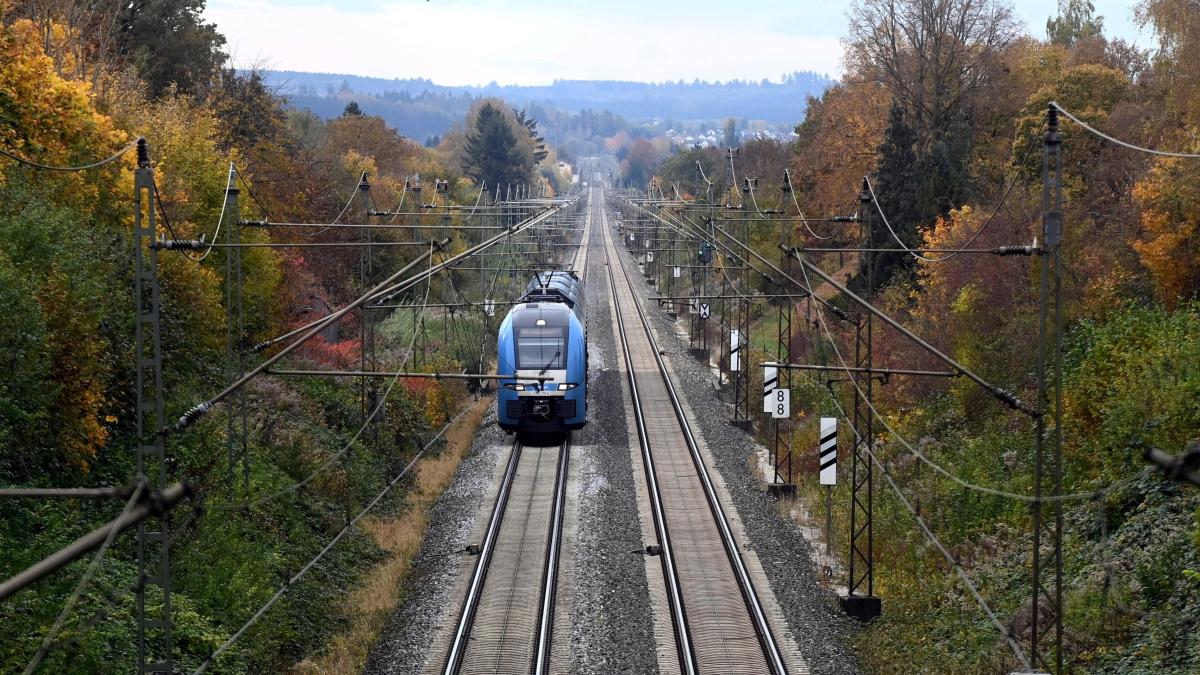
(1076, 21)
(936, 56)
(529, 124)
(250, 113)
(169, 44)
(897, 183)
(493, 155)
(1176, 24)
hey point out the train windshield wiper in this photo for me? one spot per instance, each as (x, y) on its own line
(549, 363)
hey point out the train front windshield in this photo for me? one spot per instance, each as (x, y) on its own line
(541, 347)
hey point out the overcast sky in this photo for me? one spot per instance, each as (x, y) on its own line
(458, 42)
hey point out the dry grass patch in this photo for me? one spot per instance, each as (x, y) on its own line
(369, 606)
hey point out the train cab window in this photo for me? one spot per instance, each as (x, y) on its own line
(541, 347)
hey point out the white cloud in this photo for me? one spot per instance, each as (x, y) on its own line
(456, 45)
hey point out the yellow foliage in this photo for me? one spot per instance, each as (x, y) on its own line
(837, 144)
(50, 119)
(357, 163)
(1169, 246)
(77, 352)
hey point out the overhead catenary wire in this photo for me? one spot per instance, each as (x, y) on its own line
(1126, 144)
(475, 207)
(309, 330)
(946, 554)
(221, 218)
(348, 444)
(937, 467)
(682, 225)
(1008, 398)
(787, 177)
(246, 186)
(965, 248)
(349, 203)
(73, 169)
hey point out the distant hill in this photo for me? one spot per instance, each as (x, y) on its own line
(420, 109)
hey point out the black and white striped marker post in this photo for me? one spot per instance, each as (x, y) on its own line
(828, 451)
(770, 380)
(735, 350)
(828, 448)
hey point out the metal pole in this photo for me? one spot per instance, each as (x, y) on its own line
(783, 350)
(862, 558)
(153, 554)
(1049, 460)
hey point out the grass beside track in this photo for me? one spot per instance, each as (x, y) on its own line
(368, 607)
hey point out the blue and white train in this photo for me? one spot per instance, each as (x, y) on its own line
(543, 345)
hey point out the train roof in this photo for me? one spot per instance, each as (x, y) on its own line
(555, 286)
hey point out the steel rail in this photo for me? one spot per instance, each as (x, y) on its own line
(550, 576)
(687, 658)
(458, 646)
(749, 594)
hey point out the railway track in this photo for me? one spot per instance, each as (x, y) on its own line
(720, 625)
(499, 629)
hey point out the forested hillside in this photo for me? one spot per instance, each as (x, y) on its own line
(779, 102)
(944, 108)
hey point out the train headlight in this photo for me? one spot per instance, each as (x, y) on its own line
(567, 385)
(515, 387)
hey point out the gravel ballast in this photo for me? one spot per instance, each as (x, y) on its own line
(612, 629)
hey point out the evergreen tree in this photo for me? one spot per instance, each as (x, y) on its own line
(897, 183)
(352, 110)
(530, 125)
(169, 44)
(914, 188)
(493, 155)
